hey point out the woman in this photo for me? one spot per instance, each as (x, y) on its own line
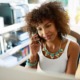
(50, 50)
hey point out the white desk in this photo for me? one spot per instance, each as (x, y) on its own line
(19, 73)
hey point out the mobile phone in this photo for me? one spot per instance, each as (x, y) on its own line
(40, 38)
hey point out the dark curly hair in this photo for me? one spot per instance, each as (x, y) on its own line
(52, 11)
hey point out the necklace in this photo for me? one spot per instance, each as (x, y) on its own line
(52, 55)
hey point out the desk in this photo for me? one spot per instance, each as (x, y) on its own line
(20, 73)
(77, 75)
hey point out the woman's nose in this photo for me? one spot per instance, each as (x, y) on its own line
(45, 31)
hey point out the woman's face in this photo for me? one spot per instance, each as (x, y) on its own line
(47, 30)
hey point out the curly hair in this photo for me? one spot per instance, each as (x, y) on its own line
(52, 11)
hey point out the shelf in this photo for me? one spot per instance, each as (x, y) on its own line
(12, 61)
(22, 60)
(11, 27)
(15, 49)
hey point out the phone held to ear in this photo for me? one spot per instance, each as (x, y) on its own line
(36, 37)
(40, 39)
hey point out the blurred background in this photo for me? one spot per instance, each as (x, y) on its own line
(13, 41)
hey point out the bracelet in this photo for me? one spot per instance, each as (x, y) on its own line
(31, 64)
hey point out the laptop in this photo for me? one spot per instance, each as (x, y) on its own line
(20, 73)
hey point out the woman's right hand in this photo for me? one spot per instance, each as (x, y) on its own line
(35, 45)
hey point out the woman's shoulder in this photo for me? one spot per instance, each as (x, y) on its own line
(73, 48)
(74, 45)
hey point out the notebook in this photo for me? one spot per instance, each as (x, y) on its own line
(29, 74)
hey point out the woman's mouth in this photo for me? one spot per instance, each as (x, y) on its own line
(47, 37)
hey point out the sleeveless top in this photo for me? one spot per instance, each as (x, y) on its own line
(53, 65)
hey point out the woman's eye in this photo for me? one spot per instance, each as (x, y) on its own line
(48, 25)
(39, 29)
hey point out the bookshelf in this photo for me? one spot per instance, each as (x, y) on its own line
(13, 50)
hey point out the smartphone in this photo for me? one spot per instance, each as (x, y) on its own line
(40, 38)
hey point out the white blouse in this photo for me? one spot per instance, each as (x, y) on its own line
(53, 65)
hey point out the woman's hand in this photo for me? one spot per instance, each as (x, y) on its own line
(34, 48)
(35, 45)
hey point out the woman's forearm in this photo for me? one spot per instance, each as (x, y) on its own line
(32, 61)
